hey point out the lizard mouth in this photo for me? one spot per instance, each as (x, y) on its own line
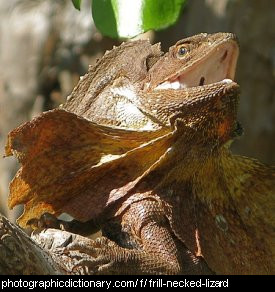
(219, 64)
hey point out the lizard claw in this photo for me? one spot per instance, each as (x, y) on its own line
(91, 255)
(93, 266)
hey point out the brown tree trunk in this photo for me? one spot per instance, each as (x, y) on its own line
(20, 255)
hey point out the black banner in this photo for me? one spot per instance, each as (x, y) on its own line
(112, 282)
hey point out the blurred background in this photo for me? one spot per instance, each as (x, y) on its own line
(46, 45)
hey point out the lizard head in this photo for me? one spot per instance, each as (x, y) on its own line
(191, 86)
(116, 90)
(195, 61)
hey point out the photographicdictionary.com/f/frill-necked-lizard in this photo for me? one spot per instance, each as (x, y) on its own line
(140, 150)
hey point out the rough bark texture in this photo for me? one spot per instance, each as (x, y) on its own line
(42, 253)
(20, 255)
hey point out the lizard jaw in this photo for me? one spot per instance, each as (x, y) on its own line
(219, 65)
(214, 113)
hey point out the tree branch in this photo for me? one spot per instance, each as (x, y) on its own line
(20, 254)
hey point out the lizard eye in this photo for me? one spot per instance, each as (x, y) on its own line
(182, 51)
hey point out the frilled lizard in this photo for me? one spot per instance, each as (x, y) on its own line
(140, 149)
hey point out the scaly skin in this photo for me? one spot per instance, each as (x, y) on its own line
(140, 150)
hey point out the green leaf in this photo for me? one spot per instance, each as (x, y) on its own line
(128, 18)
(77, 4)
(104, 17)
(159, 14)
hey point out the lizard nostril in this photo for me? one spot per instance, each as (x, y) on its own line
(201, 81)
(224, 56)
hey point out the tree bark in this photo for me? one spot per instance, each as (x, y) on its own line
(21, 255)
